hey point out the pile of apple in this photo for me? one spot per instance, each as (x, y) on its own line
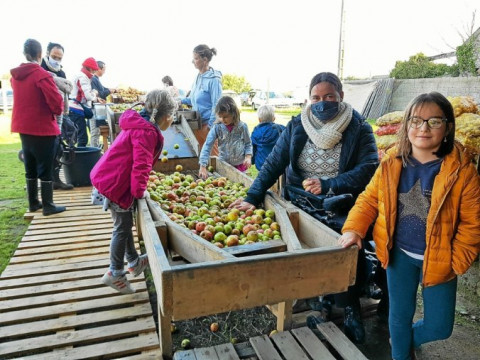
(202, 206)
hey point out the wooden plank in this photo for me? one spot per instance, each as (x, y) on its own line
(51, 278)
(38, 244)
(206, 353)
(226, 352)
(340, 342)
(55, 229)
(314, 233)
(60, 221)
(288, 346)
(72, 247)
(259, 280)
(284, 315)
(51, 288)
(312, 344)
(84, 233)
(185, 355)
(108, 332)
(59, 255)
(263, 247)
(58, 225)
(78, 305)
(108, 349)
(70, 322)
(264, 348)
(63, 297)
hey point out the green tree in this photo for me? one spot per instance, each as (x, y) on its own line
(235, 83)
(419, 66)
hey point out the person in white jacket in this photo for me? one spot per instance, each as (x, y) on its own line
(81, 98)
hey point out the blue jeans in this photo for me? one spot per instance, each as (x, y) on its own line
(122, 245)
(404, 274)
(81, 123)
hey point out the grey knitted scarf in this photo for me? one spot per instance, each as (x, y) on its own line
(326, 134)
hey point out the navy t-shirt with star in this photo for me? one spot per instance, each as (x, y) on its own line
(414, 195)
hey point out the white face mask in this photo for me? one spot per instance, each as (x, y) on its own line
(54, 63)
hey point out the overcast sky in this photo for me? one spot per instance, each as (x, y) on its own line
(275, 43)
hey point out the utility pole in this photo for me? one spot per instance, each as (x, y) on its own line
(341, 44)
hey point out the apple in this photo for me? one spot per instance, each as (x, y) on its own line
(219, 237)
(200, 226)
(232, 240)
(185, 344)
(227, 229)
(176, 146)
(165, 152)
(260, 212)
(207, 235)
(210, 168)
(179, 167)
(214, 327)
(270, 214)
(252, 236)
(275, 226)
(164, 159)
(247, 228)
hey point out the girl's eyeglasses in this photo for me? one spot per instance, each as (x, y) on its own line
(433, 122)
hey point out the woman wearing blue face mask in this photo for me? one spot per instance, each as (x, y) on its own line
(328, 148)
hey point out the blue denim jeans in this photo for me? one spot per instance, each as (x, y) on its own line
(122, 245)
(404, 274)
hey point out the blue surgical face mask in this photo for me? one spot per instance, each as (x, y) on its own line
(325, 110)
(54, 63)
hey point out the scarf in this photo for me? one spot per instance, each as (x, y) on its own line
(54, 69)
(326, 135)
(86, 72)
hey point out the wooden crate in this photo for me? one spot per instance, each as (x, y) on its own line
(216, 281)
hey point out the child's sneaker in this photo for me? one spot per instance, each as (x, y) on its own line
(141, 265)
(119, 283)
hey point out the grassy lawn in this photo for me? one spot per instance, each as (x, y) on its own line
(13, 201)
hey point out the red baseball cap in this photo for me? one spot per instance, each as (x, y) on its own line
(90, 63)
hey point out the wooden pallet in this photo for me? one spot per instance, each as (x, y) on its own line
(52, 302)
(297, 344)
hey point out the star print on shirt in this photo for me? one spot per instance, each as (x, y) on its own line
(414, 203)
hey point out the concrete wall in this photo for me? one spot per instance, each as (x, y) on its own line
(406, 90)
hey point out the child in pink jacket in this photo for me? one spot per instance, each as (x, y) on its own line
(121, 176)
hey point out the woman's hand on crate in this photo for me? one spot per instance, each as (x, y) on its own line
(241, 205)
(350, 238)
(202, 172)
(248, 161)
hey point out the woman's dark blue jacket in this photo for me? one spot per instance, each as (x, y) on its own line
(358, 160)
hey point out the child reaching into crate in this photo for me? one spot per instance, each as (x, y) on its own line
(234, 144)
(121, 176)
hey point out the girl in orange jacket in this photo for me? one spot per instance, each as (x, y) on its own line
(425, 201)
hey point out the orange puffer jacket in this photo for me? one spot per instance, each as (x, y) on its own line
(453, 221)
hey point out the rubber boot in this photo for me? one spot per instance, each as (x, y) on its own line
(58, 184)
(353, 324)
(32, 193)
(49, 208)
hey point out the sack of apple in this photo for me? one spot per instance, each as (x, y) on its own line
(202, 206)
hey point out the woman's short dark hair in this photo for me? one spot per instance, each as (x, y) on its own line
(167, 80)
(226, 104)
(52, 45)
(205, 52)
(326, 77)
(32, 49)
(446, 147)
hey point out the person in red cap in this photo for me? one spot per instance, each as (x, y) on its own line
(81, 99)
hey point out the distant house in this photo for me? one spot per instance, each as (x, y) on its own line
(476, 38)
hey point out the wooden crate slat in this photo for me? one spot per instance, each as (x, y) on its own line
(116, 348)
(70, 322)
(312, 344)
(264, 348)
(340, 342)
(226, 352)
(68, 235)
(288, 346)
(60, 221)
(102, 333)
(50, 311)
(185, 355)
(58, 255)
(62, 230)
(56, 225)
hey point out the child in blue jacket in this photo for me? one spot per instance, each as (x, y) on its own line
(265, 135)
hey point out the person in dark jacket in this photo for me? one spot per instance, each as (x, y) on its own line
(36, 102)
(265, 135)
(329, 148)
(52, 63)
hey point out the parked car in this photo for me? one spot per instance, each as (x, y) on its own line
(246, 98)
(234, 96)
(9, 94)
(273, 98)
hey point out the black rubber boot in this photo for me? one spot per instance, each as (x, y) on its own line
(353, 325)
(49, 208)
(32, 193)
(58, 184)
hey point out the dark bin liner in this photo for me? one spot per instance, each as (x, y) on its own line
(77, 172)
